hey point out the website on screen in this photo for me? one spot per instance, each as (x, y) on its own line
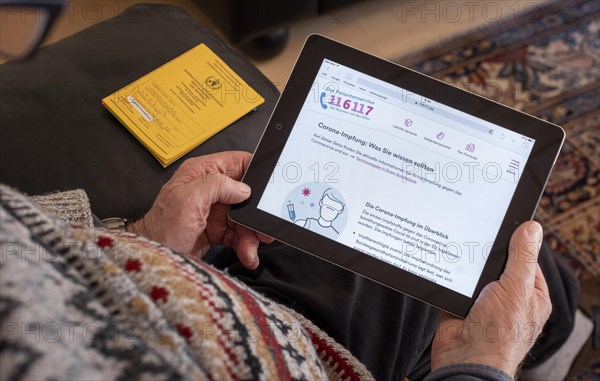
(399, 177)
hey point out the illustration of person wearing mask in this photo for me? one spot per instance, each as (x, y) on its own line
(331, 207)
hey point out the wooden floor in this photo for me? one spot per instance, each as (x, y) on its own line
(386, 28)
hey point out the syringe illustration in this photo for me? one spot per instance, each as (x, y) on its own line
(291, 211)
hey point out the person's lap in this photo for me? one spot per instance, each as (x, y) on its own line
(389, 332)
(379, 326)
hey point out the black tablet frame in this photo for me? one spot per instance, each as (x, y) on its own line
(549, 139)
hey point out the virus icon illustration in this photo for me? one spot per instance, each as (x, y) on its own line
(306, 192)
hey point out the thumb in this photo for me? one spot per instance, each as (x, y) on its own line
(225, 190)
(523, 252)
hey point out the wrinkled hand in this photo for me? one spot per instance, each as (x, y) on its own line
(190, 213)
(507, 317)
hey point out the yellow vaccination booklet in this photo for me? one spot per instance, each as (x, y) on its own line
(181, 104)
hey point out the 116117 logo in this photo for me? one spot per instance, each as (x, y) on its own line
(345, 103)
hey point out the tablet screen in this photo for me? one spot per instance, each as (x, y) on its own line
(396, 176)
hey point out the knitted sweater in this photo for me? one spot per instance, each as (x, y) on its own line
(84, 303)
(81, 303)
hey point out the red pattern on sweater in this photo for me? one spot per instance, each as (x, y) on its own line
(185, 331)
(159, 293)
(322, 346)
(133, 265)
(259, 316)
(104, 242)
(193, 277)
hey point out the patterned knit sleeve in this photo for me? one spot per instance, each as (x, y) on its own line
(85, 303)
(72, 207)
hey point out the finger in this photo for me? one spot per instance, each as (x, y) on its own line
(449, 327)
(237, 164)
(261, 237)
(264, 238)
(219, 188)
(545, 302)
(540, 281)
(444, 317)
(247, 247)
(523, 252)
(231, 163)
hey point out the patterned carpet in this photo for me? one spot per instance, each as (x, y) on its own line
(546, 62)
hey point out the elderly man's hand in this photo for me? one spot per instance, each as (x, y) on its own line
(190, 212)
(507, 317)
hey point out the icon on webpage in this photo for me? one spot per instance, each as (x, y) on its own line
(408, 122)
(322, 100)
(470, 147)
(513, 166)
(440, 136)
(291, 211)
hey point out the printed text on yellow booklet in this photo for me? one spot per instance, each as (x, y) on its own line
(181, 104)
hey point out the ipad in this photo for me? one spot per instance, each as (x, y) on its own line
(396, 176)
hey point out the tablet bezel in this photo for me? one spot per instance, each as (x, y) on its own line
(548, 141)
